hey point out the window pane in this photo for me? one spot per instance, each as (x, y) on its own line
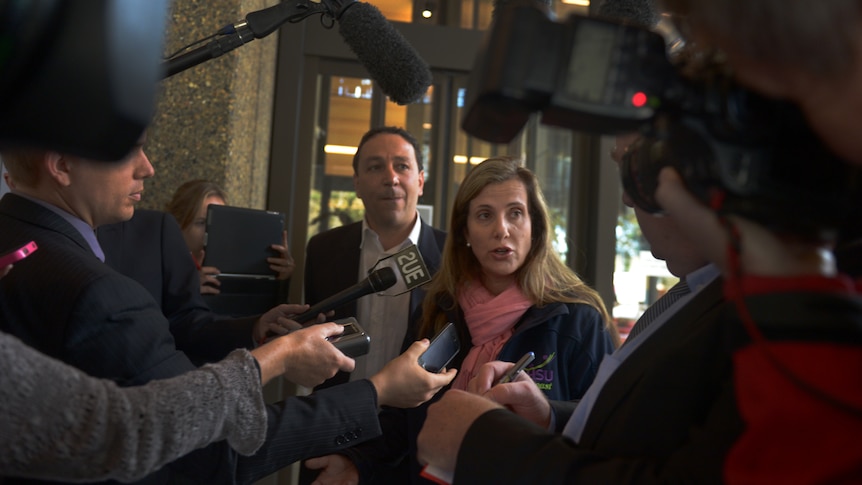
(553, 167)
(639, 278)
(346, 110)
(396, 10)
(418, 119)
(345, 115)
(468, 150)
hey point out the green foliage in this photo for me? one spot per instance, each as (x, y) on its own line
(629, 237)
(343, 208)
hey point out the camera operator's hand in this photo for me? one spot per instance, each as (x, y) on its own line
(403, 383)
(303, 356)
(522, 396)
(762, 252)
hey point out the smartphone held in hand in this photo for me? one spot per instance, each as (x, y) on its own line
(522, 364)
(442, 349)
(13, 257)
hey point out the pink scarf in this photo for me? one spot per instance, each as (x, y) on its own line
(491, 321)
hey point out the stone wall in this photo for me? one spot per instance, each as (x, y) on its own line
(214, 120)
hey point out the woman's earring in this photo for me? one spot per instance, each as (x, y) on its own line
(468, 244)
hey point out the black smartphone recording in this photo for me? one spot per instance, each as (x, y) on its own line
(353, 342)
(443, 348)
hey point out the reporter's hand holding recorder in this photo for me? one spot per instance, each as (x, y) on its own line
(303, 356)
(307, 358)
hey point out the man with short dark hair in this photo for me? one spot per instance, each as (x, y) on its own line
(388, 176)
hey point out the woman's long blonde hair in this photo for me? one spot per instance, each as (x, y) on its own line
(543, 277)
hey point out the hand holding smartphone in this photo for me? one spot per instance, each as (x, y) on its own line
(522, 363)
(18, 254)
(443, 348)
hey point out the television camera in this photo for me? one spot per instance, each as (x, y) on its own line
(736, 150)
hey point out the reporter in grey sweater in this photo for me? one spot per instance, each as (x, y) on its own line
(59, 423)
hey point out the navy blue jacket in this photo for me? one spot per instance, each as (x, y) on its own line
(569, 340)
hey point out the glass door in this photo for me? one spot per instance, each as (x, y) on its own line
(348, 106)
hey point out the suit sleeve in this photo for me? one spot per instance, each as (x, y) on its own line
(503, 448)
(116, 320)
(325, 422)
(386, 450)
(563, 411)
(199, 332)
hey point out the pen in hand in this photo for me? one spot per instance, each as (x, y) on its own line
(519, 366)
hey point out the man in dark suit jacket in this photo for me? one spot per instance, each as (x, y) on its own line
(667, 414)
(68, 304)
(388, 177)
(149, 248)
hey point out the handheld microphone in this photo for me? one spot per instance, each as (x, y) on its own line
(379, 280)
(380, 48)
(410, 270)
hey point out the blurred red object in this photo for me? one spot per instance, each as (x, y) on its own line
(624, 326)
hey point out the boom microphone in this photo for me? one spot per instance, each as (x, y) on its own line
(382, 50)
(377, 281)
(638, 12)
(385, 53)
(546, 6)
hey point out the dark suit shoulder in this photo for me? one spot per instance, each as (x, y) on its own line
(431, 242)
(331, 263)
(144, 215)
(90, 304)
(338, 235)
(148, 219)
(439, 236)
(144, 247)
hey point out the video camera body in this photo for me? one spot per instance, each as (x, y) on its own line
(79, 77)
(740, 152)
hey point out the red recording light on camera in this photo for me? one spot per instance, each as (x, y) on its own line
(639, 99)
